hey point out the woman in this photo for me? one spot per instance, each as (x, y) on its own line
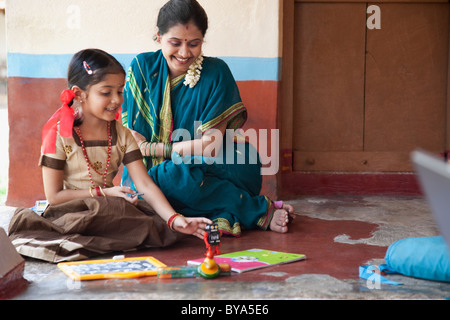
(175, 94)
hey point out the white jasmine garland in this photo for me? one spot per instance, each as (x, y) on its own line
(193, 74)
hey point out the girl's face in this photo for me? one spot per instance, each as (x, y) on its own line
(104, 99)
(181, 46)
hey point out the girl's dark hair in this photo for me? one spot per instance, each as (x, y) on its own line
(181, 11)
(89, 67)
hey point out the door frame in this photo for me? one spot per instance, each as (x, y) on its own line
(294, 183)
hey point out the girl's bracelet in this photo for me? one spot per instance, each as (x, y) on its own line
(172, 219)
(98, 190)
(101, 192)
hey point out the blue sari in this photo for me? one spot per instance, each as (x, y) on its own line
(155, 106)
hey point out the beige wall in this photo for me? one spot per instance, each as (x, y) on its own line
(237, 28)
(42, 35)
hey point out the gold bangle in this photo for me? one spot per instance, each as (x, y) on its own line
(101, 190)
(90, 192)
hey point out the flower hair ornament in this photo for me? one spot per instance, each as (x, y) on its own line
(87, 68)
(65, 117)
(193, 74)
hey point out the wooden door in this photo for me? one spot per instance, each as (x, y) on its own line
(363, 99)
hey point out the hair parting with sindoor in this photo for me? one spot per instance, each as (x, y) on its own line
(89, 67)
(182, 11)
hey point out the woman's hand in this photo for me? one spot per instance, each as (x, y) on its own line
(138, 137)
(194, 226)
(121, 192)
(140, 140)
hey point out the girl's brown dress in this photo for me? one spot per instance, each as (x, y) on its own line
(83, 228)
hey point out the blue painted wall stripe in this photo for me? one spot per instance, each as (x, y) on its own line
(55, 66)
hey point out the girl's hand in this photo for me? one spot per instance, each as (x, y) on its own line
(121, 192)
(194, 226)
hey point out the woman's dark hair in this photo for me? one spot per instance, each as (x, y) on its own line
(181, 11)
(90, 66)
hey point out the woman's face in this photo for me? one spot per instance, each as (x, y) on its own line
(181, 46)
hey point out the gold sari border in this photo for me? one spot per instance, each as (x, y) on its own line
(226, 228)
(235, 116)
(174, 82)
(165, 116)
(125, 119)
(139, 99)
(264, 221)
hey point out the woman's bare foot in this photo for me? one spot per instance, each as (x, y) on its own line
(290, 210)
(281, 218)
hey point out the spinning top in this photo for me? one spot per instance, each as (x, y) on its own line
(209, 269)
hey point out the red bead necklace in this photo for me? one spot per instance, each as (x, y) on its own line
(88, 163)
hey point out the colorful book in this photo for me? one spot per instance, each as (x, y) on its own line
(40, 206)
(246, 260)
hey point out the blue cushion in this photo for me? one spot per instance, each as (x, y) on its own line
(426, 258)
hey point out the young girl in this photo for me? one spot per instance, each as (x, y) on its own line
(83, 147)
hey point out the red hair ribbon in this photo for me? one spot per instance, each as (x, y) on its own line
(65, 117)
(118, 114)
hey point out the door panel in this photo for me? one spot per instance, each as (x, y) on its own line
(364, 99)
(406, 79)
(329, 77)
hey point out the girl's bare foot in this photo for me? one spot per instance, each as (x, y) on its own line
(281, 218)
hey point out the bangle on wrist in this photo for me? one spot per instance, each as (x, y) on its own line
(167, 150)
(172, 219)
(140, 146)
(153, 145)
(150, 144)
(98, 190)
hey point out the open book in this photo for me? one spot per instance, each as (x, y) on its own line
(242, 261)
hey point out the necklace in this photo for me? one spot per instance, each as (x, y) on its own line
(88, 163)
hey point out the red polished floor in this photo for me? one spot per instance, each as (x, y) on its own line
(329, 272)
(309, 236)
